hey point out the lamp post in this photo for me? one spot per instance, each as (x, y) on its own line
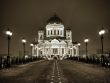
(79, 44)
(86, 42)
(9, 35)
(31, 47)
(101, 33)
(24, 43)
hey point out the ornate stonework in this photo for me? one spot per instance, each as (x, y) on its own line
(55, 44)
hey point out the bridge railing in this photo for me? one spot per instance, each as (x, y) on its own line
(7, 61)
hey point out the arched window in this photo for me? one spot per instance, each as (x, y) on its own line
(55, 51)
(51, 32)
(58, 32)
(54, 32)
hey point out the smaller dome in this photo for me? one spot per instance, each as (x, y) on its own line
(54, 19)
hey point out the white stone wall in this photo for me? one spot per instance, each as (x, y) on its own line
(63, 49)
(54, 30)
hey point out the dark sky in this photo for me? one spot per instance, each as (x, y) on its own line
(25, 17)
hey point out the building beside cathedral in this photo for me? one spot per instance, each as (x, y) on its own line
(55, 42)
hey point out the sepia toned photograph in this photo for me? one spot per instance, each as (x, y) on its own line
(54, 41)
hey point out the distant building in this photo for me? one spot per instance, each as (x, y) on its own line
(55, 42)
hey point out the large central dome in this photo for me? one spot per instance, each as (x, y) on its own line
(54, 19)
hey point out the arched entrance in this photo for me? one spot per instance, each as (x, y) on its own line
(55, 58)
(55, 49)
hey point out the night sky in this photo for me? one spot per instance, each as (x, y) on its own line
(25, 17)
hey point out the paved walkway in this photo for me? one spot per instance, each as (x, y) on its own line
(55, 72)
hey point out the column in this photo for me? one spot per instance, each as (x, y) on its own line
(62, 32)
(56, 32)
(43, 50)
(32, 50)
(59, 32)
(72, 51)
(37, 52)
(49, 51)
(69, 52)
(47, 32)
(77, 51)
(52, 32)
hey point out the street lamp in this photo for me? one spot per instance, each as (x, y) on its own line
(79, 44)
(86, 42)
(101, 33)
(9, 35)
(24, 43)
(31, 47)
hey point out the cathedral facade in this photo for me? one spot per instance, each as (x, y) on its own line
(55, 42)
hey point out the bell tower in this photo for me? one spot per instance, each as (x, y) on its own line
(69, 34)
(40, 35)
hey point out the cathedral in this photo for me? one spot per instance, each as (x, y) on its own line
(55, 42)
